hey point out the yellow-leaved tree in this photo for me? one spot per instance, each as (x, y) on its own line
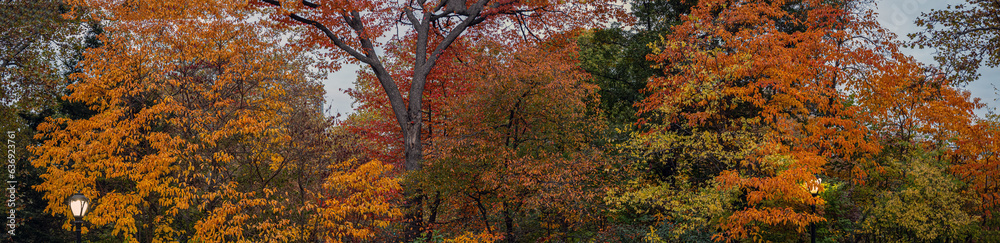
(205, 131)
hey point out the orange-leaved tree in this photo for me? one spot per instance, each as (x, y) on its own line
(757, 99)
(926, 130)
(976, 161)
(353, 29)
(967, 36)
(749, 112)
(205, 132)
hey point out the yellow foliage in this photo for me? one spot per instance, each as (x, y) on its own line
(357, 197)
(192, 137)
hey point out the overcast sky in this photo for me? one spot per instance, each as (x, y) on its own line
(895, 15)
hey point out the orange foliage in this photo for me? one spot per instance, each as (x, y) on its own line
(762, 68)
(820, 83)
(978, 163)
(206, 133)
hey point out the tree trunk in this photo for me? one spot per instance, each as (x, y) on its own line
(508, 222)
(414, 218)
(413, 149)
(413, 155)
(409, 116)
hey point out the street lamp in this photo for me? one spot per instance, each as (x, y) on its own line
(78, 205)
(814, 190)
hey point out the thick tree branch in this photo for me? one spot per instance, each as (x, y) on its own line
(333, 37)
(369, 56)
(421, 27)
(423, 63)
(322, 28)
(473, 15)
(384, 77)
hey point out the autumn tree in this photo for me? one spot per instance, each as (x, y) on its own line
(748, 113)
(922, 202)
(758, 98)
(977, 163)
(516, 152)
(923, 123)
(511, 133)
(353, 28)
(207, 134)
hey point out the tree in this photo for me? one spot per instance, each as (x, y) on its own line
(510, 136)
(354, 27)
(35, 41)
(749, 103)
(516, 148)
(206, 134)
(916, 116)
(977, 163)
(964, 36)
(928, 203)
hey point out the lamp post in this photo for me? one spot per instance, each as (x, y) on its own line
(814, 190)
(78, 205)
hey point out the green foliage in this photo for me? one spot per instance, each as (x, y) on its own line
(929, 204)
(616, 57)
(616, 60)
(688, 214)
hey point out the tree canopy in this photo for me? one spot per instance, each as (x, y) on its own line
(498, 120)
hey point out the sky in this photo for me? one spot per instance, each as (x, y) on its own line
(338, 102)
(894, 15)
